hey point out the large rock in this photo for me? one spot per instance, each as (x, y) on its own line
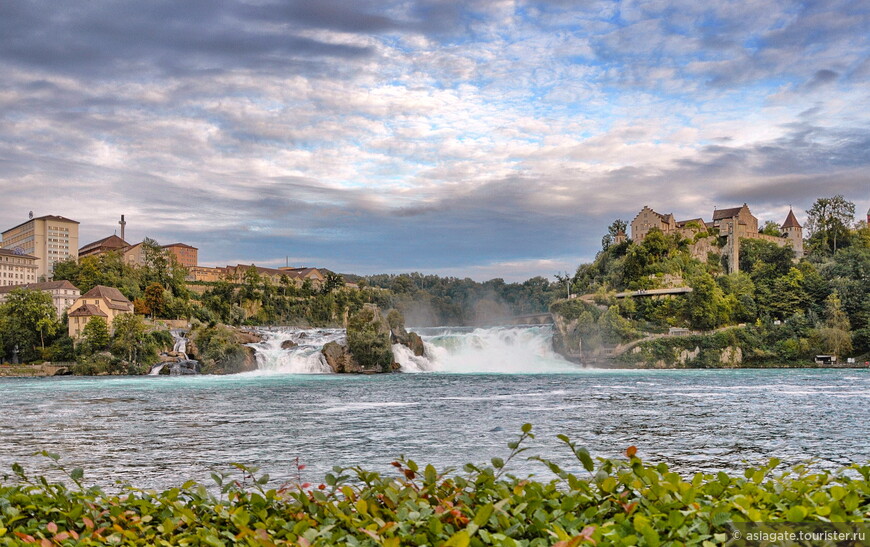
(221, 349)
(247, 336)
(398, 334)
(288, 344)
(339, 358)
(368, 349)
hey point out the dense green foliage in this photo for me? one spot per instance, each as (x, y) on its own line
(429, 300)
(27, 321)
(822, 302)
(131, 349)
(425, 300)
(622, 502)
(258, 301)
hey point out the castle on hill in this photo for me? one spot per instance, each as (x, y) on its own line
(735, 223)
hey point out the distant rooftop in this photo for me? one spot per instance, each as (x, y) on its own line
(45, 217)
(44, 286)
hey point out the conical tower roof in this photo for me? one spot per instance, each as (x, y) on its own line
(790, 221)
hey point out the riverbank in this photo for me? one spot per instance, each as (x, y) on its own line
(609, 364)
(29, 371)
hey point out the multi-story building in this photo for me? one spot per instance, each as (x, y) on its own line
(17, 268)
(205, 273)
(103, 246)
(101, 301)
(297, 276)
(51, 239)
(185, 254)
(63, 293)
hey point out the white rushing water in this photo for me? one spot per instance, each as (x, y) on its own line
(508, 350)
(180, 342)
(303, 358)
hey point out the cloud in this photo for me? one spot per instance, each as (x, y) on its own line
(438, 136)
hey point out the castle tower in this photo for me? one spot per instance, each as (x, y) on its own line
(619, 238)
(794, 233)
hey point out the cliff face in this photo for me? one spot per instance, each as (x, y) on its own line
(581, 337)
(566, 338)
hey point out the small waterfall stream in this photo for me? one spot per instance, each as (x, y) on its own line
(183, 366)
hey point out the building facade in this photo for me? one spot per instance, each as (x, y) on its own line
(51, 239)
(101, 301)
(134, 255)
(734, 224)
(186, 255)
(63, 293)
(17, 268)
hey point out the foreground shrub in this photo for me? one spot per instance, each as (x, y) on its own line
(614, 502)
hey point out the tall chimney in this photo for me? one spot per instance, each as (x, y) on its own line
(123, 223)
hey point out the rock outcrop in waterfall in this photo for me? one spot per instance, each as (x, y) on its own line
(369, 346)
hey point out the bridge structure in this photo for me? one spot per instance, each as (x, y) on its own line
(530, 319)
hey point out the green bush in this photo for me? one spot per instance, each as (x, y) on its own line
(607, 502)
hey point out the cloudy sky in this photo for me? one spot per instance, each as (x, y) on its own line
(470, 138)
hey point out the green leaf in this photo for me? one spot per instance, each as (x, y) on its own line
(459, 539)
(498, 463)
(796, 513)
(483, 514)
(77, 474)
(585, 459)
(430, 475)
(527, 428)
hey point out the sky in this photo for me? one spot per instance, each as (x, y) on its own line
(463, 138)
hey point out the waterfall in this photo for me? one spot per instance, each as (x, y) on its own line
(294, 350)
(180, 342)
(508, 350)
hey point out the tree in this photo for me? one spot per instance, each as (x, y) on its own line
(771, 228)
(155, 300)
(130, 332)
(333, 281)
(95, 335)
(828, 222)
(706, 305)
(616, 227)
(28, 313)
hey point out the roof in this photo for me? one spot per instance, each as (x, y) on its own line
(44, 286)
(10, 252)
(699, 220)
(185, 245)
(300, 272)
(790, 221)
(111, 295)
(46, 217)
(111, 242)
(719, 214)
(87, 310)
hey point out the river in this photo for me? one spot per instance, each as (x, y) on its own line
(469, 397)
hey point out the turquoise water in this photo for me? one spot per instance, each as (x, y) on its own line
(158, 432)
